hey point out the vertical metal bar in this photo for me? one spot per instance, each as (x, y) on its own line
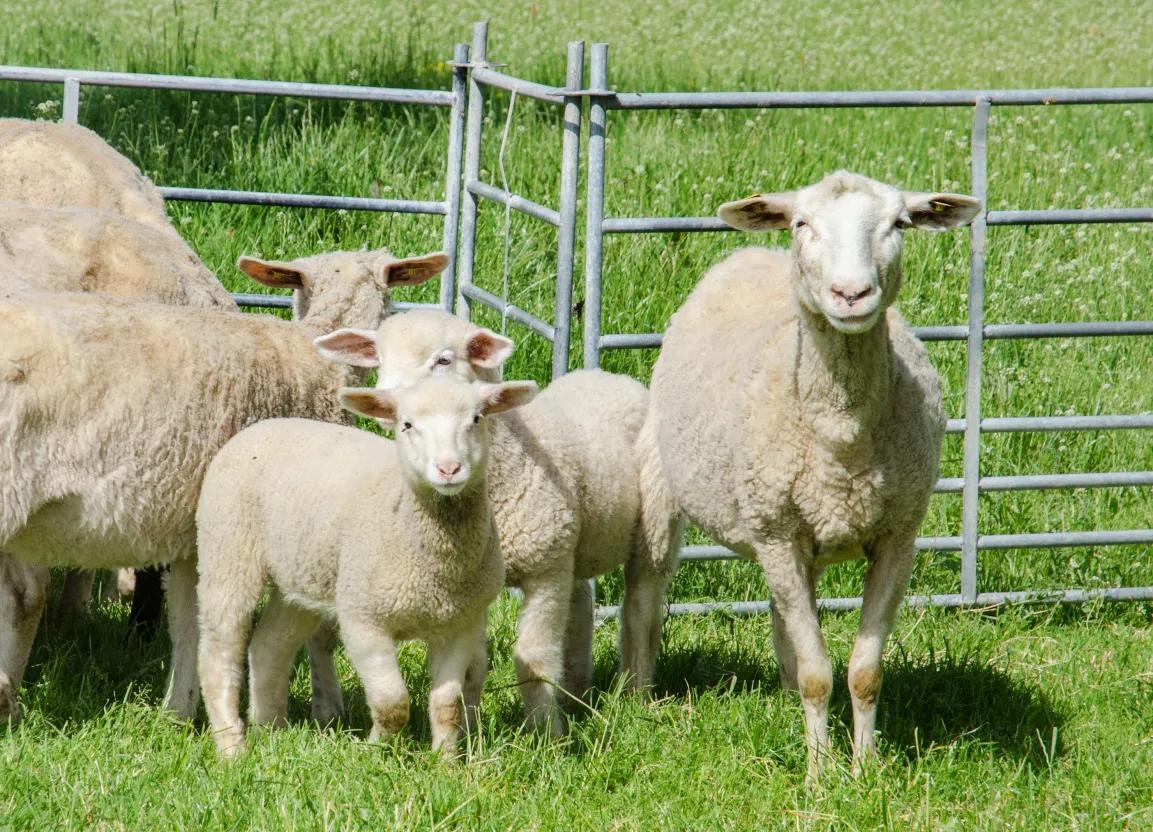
(566, 231)
(595, 208)
(470, 202)
(972, 453)
(71, 110)
(453, 173)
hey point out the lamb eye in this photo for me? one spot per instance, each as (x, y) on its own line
(476, 419)
(406, 426)
(903, 223)
(443, 361)
(798, 225)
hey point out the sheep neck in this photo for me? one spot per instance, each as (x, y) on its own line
(841, 381)
(448, 524)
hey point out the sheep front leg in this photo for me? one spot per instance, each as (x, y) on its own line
(327, 699)
(787, 565)
(23, 590)
(886, 581)
(538, 654)
(578, 643)
(449, 663)
(783, 646)
(372, 651)
(183, 695)
(474, 680)
(282, 630)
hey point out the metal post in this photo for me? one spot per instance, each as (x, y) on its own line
(595, 207)
(71, 110)
(566, 231)
(452, 175)
(972, 451)
(467, 252)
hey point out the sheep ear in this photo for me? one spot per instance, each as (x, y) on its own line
(487, 349)
(349, 346)
(275, 273)
(414, 270)
(938, 212)
(762, 212)
(375, 404)
(497, 398)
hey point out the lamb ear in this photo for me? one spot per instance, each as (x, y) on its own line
(487, 349)
(275, 273)
(414, 270)
(349, 346)
(497, 398)
(375, 404)
(938, 212)
(761, 212)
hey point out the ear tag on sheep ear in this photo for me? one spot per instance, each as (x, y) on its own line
(939, 207)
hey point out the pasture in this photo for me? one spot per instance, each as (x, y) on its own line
(1019, 718)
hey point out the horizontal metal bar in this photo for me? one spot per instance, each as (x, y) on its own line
(254, 301)
(1018, 424)
(983, 599)
(1029, 482)
(645, 225)
(1069, 216)
(515, 202)
(894, 98)
(514, 313)
(349, 203)
(385, 95)
(529, 89)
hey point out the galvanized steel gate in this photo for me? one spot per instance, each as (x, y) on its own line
(465, 191)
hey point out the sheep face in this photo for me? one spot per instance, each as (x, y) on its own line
(847, 234)
(418, 344)
(440, 434)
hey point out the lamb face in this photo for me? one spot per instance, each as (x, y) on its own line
(440, 439)
(847, 234)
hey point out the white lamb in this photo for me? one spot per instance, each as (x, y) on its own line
(113, 409)
(565, 482)
(393, 539)
(53, 164)
(799, 421)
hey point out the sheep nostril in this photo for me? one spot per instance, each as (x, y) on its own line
(850, 296)
(449, 469)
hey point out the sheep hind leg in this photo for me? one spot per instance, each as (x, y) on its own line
(578, 645)
(183, 694)
(885, 584)
(327, 699)
(787, 568)
(75, 599)
(282, 630)
(538, 654)
(641, 621)
(23, 590)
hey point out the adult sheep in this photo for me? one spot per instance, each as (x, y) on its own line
(113, 410)
(814, 436)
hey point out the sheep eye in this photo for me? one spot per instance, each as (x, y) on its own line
(903, 223)
(443, 361)
(476, 419)
(798, 225)
(406, 426)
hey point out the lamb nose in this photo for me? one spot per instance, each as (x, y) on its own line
(851, 296)
(448, 469)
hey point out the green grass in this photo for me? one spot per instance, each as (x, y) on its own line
(971, 701)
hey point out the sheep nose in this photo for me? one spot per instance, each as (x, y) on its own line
(851, 294)
(448, 470)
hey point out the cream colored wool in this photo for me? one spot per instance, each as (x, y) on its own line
(347, 524)
(565, 487)
(113, 410)
(798, 420)
(53, 164)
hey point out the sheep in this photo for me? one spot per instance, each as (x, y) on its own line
(53, 164)
(565, 483)
(798, 420)
(113, 410)
(393, 539)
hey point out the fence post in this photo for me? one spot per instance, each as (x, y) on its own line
(70, 112)
(972, 450)
(566, 231)
(595, 207)
(453, 173)
(470, 201)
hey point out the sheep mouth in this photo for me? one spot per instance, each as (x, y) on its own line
(448, 489)
(853, 324)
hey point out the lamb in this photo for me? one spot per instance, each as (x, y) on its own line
(53, 164)
(565, 482)
(814, 437)
(113, 410)
(394, 539)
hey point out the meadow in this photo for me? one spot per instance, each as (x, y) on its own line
(1022, 717)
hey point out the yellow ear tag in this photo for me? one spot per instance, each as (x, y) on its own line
(939, 207)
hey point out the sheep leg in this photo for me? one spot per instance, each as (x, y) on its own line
(449, 661)
(75, 596)
(223, 635)
(538, 654)
(282, 630)
(183, 694)
(885, 584)
(782, 645)
(474, 681)
(372, 651)
(327, 699)
(578, 642)
(23, 590)
(642, 616)
(788, 569)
